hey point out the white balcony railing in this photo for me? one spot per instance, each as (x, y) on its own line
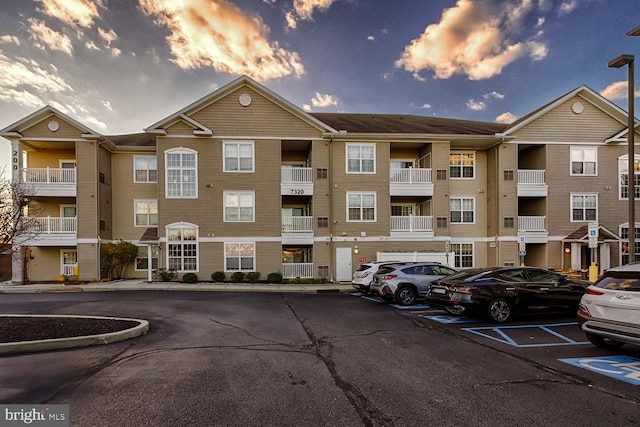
(297, 224)
(296, 174)
(531, 223)
(410, 176)
(530, 176)
(53, 225)
(68, 269)
(411, 223)
(291, 270)
(49, 175)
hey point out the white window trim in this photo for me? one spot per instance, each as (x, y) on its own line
(375, 206)
(68, 206)
(183, 224)
(226, 269)
(180, 150)
(61, 161)
(145, 246)
(475, 160)
(346, 158)
(253, 156)
(134, 170)
(473, 253)
(574, 148)
(572, 195)
(238, 192)
(475, 210)
(62, 264)
(413, 206)
(625, 159)
(135, 212)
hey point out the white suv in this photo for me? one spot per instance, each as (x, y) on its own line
(609, 312)
(364, 274)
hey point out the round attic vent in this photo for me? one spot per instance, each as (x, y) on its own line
(245, 99)
(577, 107)
(53, 126)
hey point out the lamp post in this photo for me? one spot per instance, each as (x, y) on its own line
(620, 62)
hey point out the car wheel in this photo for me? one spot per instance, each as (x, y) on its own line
(603, 342)
(406, 296)
(500, 311)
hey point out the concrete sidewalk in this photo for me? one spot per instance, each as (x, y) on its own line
(141, 285)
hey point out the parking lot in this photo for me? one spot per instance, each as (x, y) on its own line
(222, 358)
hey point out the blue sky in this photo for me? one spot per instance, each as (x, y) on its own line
(119, 66)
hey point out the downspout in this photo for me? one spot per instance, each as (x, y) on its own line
(332, 279)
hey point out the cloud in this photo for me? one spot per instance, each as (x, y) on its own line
(91, 45)
(476, 38)
(303, 10)
(426, 106)
(107, 36)
(10, 39)
(567, 6)
(217, 34)
(481, 105)
(44, 37)
(506, 118)
(72, 12)
(321, 101)
(618, 90)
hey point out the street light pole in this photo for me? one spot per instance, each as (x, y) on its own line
(619, 62)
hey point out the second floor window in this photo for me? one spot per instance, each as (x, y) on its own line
(361, 158)
(462, 210)
(145, 169)
(238, 157)
(239, 206)
(583, 161)
(146, 213)
(623, 171)
(462, 165)
(361, 207)
(181, 173)
(584, 207)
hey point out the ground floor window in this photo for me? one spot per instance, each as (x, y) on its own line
(142, 260)
(239, 257)
(182, 247)
(463, 254)
(69, 261)
(624, 246)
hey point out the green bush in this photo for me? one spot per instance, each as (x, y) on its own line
(238, 277)
(164, 275)
(218, 276)
(253, 276)
(274, 277)
(190, 278)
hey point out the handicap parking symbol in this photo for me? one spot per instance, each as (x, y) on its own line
(451, 319)
(623, 368)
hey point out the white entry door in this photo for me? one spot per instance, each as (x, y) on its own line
(344, 270)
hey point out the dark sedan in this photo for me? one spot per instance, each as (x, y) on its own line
(500, 293)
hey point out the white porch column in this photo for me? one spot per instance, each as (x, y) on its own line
(17, 258)
(605, 257)
(576, 256)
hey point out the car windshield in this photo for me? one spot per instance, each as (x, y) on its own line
(468, 275)
(364, 267)
(623, 281)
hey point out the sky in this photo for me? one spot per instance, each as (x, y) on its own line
(118, 66)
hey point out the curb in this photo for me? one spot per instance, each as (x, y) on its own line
(72, 342)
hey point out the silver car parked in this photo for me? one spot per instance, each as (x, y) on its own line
(407, 282)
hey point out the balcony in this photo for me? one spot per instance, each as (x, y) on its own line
(296, 181)
(52, 231)
(297, 230)
(412, 227)
(534, 228)
(51, 181)
(531, 183)
(410, 182)
(291, 270)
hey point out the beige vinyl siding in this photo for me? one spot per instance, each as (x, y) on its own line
(45, 264)
(41, 130)
(48, 158)
(105, 195)
(562, 124)
(180, 128)
(87, 186)
(471, 188)
(262, 118)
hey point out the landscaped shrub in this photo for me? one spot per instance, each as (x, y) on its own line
(164, 275)
(253, 276)
(190, 278)
(321, 280)
(238, 277)
(218, 276)
(274, 277)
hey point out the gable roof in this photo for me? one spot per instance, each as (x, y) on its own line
(13, 130)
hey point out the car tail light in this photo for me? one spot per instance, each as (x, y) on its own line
(366, 274)
(389, 276)
(592, 291)
(462, 289)
(583, 310)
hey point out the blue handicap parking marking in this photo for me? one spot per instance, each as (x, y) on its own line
(527, 336)
(623, 368)
(443, 318)
(409, 307)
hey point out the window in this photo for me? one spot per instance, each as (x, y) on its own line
(441, 174)
(146, 213)
(462, 210)
(323, 271)
(624, 246)
(509, 222)
(238, 157)
(463, 254)
(361, 206)
(69, 259)
(623, 168)
(102, 178)
(142, 260)
(322, 173)
(145, 169)
(323, 222)
(182, 173)
(239, 206)
(462, 165)
(583, 161)
(361, 158)
(103, 225)
(182, 247)
(508, 175)
(239, 257)
(402, 210)
(584, 207)
(441, 222)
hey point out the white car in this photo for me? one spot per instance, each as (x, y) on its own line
(609, 312)
(364, 274)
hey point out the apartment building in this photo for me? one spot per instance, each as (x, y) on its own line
(243, 180)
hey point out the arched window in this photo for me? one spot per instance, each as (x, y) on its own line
(181, 173)
(182, 247)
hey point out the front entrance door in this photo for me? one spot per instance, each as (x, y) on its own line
(344, 270)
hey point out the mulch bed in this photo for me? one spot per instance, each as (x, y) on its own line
(15, 329)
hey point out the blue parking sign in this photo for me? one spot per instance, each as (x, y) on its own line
(623, 368)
